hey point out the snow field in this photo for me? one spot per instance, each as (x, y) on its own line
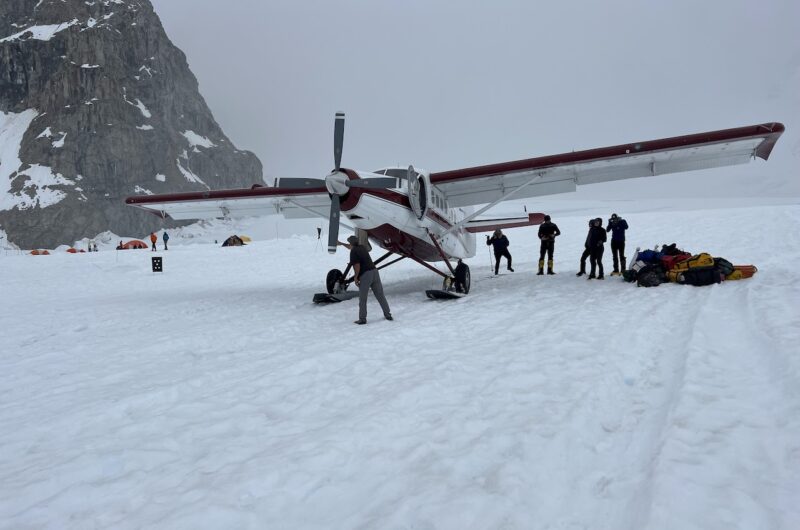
(216, 395)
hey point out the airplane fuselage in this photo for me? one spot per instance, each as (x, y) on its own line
(387, 216)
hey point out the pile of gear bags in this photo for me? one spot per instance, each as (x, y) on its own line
(650, 268)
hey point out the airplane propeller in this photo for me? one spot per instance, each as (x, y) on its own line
(375, 183)
(333, 224)
(300, 183)
(338, 139)
(337, 179)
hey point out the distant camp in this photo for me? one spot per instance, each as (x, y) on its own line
(132, 244)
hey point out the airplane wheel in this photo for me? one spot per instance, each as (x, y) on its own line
(334, 282)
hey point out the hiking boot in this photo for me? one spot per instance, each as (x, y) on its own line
(580, 273)
(590, 277)
(540, 272)
(512, 270)
(360, 322)
(388, 317)
(601, 277)
(550, 271)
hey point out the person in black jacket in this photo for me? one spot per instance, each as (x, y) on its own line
(547, 234)
(500, 243)
(597, 239)
(586, 250)
(366, 278)
(617, 226)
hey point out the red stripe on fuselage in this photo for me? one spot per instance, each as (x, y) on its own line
(402, 243)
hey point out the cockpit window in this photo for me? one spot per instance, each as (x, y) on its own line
(379, 172)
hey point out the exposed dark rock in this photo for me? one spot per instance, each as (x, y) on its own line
(113, 111)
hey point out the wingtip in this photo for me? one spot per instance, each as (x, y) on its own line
(776, 129)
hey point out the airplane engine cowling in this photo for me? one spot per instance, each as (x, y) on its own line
(419, 192)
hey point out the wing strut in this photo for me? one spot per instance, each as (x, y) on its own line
(475, 214)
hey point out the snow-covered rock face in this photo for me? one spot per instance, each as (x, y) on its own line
(96, 102)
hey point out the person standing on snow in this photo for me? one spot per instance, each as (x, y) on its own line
(586, 251)
(153, 239)
(366, 278)
(547, 234)
(597, 240)
(617, 227)
(500, 243)
(165, 237)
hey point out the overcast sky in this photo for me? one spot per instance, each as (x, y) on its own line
(445, 85)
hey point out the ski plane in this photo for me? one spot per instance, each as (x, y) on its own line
(433, 216)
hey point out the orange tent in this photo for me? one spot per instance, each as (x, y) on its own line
(135, 243)
(40, 253)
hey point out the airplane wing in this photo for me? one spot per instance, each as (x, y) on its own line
(490, 225)
(562, 173)
(292, 203)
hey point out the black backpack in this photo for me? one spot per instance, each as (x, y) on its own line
(723, 266)
(700, 277)
(651, 276)
(671, 250)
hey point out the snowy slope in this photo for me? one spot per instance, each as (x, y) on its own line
(216, 395)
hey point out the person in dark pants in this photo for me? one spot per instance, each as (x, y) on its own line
(597, 239)
(153, 239)
(617, 227)
(165, 237)
(366, 278)
(500, 243)
(547, 234)
(586, 251)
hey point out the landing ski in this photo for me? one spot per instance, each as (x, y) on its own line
(328, 298)
(440, 294)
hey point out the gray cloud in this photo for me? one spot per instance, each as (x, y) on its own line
(445, 85)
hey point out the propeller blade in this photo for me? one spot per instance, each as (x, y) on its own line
(372, 183)
(300, 183)
(338, 139)
(333, 225)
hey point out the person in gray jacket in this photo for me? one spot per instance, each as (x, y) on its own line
(366, 278)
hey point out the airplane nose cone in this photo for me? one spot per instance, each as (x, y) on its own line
(335, 182)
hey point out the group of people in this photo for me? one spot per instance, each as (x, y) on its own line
(367, 277)
(154, 240)
(593, 247)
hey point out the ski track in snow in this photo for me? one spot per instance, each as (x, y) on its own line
(216, 395)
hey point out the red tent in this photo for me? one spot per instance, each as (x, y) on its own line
(134, 243)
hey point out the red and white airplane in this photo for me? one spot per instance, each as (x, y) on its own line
(431, 216)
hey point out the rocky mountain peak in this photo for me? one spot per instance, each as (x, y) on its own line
(97, 104)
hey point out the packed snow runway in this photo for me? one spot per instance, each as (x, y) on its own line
(216, 395)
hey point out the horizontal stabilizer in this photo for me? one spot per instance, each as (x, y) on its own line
(490, 225)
